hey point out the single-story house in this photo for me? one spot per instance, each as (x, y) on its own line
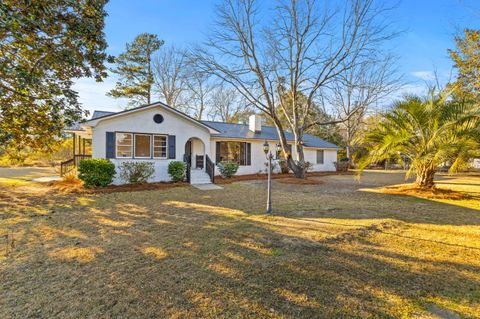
(159, 133)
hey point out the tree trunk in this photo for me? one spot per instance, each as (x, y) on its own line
(298, 166)
(425, 177)
(295, 166)
(297, 169)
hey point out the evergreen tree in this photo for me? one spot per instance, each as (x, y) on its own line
(135, 71)
(44, 45)
(467, 61)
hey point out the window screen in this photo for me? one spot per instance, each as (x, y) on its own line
(142, 145)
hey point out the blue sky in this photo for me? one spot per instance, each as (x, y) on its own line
(429, 25)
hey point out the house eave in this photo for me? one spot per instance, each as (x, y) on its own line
(95, 121)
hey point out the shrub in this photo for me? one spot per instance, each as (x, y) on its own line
(96, 172)
(342, 166)
(136, 172)
(273, 167)
(306, 165)
(228, 169)
(176, 170)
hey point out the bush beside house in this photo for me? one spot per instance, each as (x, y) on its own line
(228, 169)
(343, 164)
(96, 172)
(176, 170)
(136, 172)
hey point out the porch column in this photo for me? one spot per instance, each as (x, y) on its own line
(74, 137)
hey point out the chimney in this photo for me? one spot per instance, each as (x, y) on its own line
(255, 123)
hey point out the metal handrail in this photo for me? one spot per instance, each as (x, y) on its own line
(188, 160)
(210, 168)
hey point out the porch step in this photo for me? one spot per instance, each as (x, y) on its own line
(199, 176)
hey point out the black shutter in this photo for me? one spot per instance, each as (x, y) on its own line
(217, 152)
(110, 145)
(243, 154)
(171, 147)
(249, 154)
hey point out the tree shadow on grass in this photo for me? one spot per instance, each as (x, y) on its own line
(160, 255)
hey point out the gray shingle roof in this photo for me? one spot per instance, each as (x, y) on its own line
(100, 114)
(231, 130)
(76, 126)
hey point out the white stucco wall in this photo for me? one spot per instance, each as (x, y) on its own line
(259, 160)
(142, 122)
(329, 159)
(184, 129)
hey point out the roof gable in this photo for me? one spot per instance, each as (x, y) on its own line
(101, 115)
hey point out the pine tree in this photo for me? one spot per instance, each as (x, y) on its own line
(467, 61)
(134, 68)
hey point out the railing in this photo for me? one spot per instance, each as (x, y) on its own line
(199, 161)
(80, 157)
(210, 168)
(68, 165)
(188, 161)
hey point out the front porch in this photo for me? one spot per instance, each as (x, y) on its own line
(200, 168)
(80, 151)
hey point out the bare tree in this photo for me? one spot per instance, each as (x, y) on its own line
(199, 87)
(228, 106)
(303, 47)
(359, 89)
(169, 75)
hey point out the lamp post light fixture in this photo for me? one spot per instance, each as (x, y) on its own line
(269, 155)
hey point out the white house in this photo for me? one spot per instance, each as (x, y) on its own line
(160, 134)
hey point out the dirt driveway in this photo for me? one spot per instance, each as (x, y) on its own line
(26, 173)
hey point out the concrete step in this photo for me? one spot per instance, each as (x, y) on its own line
(198, 176)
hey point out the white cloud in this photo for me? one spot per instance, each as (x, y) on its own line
(93, 96)
(424, 75)
(413, 89)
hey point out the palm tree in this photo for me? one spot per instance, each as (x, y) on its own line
(428, 131)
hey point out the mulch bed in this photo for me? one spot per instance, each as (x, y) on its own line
(434, 193)
(290, 178)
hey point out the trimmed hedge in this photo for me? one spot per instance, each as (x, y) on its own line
(228, 169)
(96, 172)
(176, 170)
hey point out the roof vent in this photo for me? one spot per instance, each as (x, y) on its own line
(255, 123)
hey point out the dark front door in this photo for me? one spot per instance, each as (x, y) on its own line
(188, 152)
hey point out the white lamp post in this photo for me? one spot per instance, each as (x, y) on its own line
(269, 155)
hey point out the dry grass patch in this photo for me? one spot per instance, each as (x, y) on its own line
(434, 193)
(329, 251)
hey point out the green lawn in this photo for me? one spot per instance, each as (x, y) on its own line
(337, 249)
